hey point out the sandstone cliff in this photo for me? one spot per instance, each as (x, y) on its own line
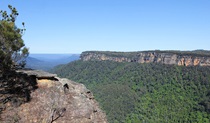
(39, 97)
(165, 57)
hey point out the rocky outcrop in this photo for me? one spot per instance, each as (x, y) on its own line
(164, 57)
(50, 100)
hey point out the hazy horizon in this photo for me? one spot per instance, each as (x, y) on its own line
(108, 51)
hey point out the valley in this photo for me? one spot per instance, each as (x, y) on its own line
(48, 61)
(132, 92)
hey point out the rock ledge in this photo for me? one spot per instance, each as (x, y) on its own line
(55, 100)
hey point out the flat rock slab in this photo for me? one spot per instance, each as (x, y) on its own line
(52, 102)
(37, 73)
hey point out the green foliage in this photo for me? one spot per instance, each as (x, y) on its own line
(135, 93)
(13, 51)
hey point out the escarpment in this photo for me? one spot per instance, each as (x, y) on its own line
(181, 58)
(41, 97)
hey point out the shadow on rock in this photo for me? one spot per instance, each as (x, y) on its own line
(15, 89)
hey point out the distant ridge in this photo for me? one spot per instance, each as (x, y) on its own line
(48, 61)
(181, 58)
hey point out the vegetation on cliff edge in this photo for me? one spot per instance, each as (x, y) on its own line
(195, 53)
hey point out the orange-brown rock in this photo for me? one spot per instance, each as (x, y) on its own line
(164, 57)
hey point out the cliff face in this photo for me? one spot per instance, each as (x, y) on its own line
(46, 98)
(179, 58)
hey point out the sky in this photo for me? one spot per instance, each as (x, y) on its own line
(74, 26)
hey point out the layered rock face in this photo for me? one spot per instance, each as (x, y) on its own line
(181, 59)
(53, 100)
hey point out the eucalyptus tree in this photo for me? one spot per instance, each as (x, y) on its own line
(13, 52)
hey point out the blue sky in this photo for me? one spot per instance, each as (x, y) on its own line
(74, 26)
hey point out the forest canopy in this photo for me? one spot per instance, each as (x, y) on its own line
(135, 93)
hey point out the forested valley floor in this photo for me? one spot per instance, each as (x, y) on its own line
(147, 93)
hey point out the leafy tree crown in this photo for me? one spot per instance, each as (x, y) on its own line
(13, 51)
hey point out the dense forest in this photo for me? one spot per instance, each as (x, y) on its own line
(147, 93)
